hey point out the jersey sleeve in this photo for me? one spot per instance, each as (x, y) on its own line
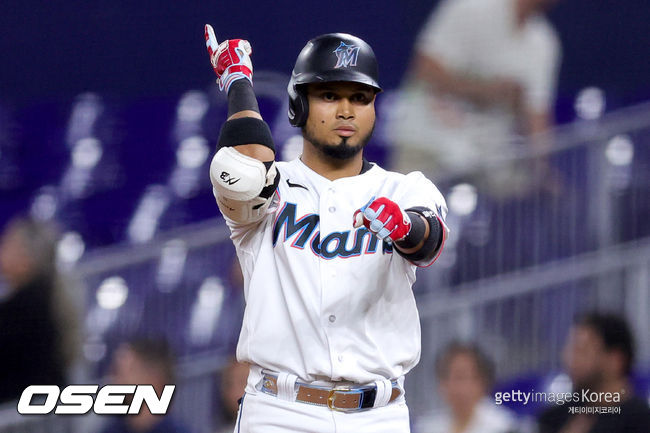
(418, 191)
(247, 237)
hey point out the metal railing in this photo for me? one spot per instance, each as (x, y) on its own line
(521, 319)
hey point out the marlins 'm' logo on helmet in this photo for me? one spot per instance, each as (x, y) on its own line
(346, 55)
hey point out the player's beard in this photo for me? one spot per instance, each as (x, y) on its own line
(341, 151)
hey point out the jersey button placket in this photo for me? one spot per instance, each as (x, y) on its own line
(331, 287)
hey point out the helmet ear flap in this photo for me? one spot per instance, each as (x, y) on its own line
(298, 105)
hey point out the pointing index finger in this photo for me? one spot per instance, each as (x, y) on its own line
(210, 40)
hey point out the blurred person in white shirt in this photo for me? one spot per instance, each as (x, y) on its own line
(465, 375)
(484, 80)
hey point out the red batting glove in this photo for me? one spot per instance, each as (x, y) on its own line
(230, 60)
(384, 218)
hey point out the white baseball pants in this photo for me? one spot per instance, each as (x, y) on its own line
(262, 413)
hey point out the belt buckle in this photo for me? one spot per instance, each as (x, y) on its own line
(332, 396)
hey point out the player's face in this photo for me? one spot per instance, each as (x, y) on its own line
(341, 118)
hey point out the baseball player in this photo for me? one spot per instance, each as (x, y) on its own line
(328, 244)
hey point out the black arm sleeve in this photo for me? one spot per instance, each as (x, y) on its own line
(244, 130)
(432, 244)
(241, 97)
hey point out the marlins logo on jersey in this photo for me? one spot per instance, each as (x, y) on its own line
(335, 244)
(346, 55)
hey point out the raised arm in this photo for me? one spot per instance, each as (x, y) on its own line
(243, 173)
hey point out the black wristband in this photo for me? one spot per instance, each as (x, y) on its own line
(241, 97)
(416, 234)
(432, 243)
(245, 130)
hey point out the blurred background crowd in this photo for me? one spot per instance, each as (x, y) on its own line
(532, 117)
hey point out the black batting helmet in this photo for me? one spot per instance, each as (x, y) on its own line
(327, 58)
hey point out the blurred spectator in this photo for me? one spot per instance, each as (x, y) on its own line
(38, 321)
(144, 361)
(483, 75)
(233, 382)
(465, 376)
(599, 356)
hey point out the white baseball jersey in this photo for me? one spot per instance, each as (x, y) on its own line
(325, 301)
